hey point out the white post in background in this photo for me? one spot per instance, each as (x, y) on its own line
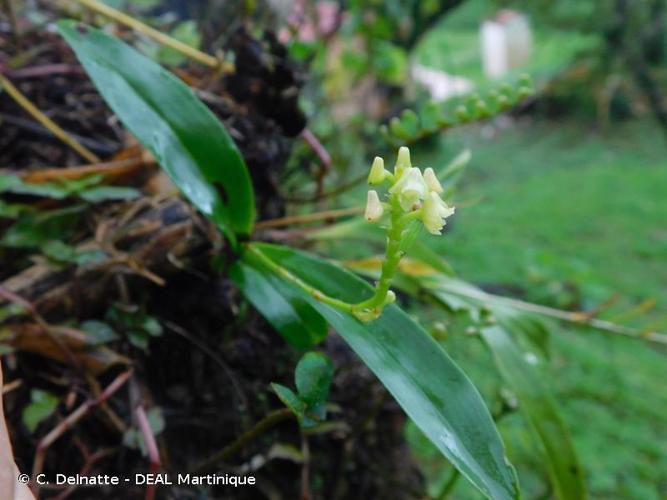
(507, 43)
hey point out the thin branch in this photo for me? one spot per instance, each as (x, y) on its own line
(158, 36)
(269, 421)
(577, 317)
(45, 70)
(329, 194)
(73, 418)
(302, 219)
(317, 147)
(55, 129)
(305, 469)
(108, 169)
(151, 447)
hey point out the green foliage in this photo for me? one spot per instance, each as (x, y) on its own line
(40, 228)
(164, 114)
(313, 377)
(131, 320)
(539, 408)
(42, 405)
(554, 218)
(412, 366)
(433, 118)
(87, 188)
(292, 316)
(99, 331)
(186, 32)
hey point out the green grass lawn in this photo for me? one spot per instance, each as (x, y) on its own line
(563, 215)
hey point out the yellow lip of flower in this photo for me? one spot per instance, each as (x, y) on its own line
(410, 188)
(377, 173)
(402, 162)
(434, 213)
(432, 181)
(374, 208)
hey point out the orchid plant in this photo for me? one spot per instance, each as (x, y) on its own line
(304, 296)
(413, 199)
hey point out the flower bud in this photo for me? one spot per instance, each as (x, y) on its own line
(391, 297)
(432, 181)
(402, 162)
(378, 173)
(374, 208)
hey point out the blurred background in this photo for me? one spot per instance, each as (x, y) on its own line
(563, 202)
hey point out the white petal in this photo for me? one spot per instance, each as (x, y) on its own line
(432, 181)
(434, 213)
(411, 189)
(374, 208)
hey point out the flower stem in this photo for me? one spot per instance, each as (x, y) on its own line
(371, 308)
(393, 255)
(291, 278)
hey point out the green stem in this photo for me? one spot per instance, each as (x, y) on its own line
(369, 309)
(270, 420)
(393, 255)
(288, 276)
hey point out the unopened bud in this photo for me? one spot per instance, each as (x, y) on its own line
(374, 208)
(378, 173)
(402, 162)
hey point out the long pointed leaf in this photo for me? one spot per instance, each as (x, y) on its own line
(293, 317)
(539, 408)
(535, 399)
(167, 118)
(429, 386)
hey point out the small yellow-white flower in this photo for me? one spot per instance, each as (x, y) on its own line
(378, 173)
(434, 213)
(374, 208)
(411, 189)
(402, 162)
(432, 181)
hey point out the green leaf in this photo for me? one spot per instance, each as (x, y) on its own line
(109, 193)
(8, 182)
(59, 251)
(430, 116)
(539, 408)
(313, 376)
(287, 311)
(42, 405)
(167, 118)
(12, 210)
(100, 332)
(432, 390)
(35, 229)
(410, 122)
(185, 32)
(291, 400)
